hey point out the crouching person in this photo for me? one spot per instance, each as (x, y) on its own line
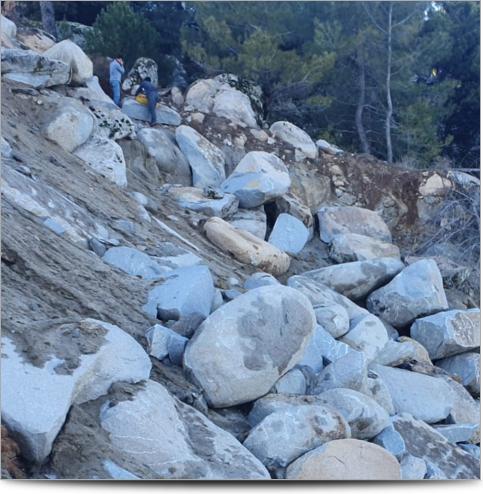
(149, 89)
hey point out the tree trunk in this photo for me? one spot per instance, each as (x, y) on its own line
(389, 109)
(47, 12)
(361, 131)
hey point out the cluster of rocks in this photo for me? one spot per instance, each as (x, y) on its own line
(359, 369)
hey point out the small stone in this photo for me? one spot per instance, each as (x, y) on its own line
(289, 234)
(293, 383)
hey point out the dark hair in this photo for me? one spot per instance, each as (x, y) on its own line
(118, 56)
(147, 79)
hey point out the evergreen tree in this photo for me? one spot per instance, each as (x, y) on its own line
(119, 30)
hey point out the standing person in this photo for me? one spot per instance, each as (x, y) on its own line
(151, 92)
(116, 71)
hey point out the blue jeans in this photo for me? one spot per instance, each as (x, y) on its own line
(116, 92)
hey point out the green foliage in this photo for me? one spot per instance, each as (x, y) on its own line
(119, 30)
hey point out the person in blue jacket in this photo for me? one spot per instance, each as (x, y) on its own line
(116, 71)
(149, 89)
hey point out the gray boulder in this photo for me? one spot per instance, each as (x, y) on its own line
(134, 262)
(80, 64)
(198, 200)
(356, 280)
(425, 397)
(422, 441)
(253, 221)
(457, 433)
(8, 27)
(293, 383)
(402, 351)
(333, 318)
(348, 371)
(28, 67)
(413, 468)
(174, 440)
(82, 361)
(296, 137)
(322, 296)
(284, 435)
(368, 335)
(345, 459)
(323, 349)
(415, 292)
(246, 345)
(105, 157)
(161, 146)
(328, 148)
(337, 220)
(466, 368)
(257, 280)
(366, 418)
(185, 292)
(235, 106)
(164, 342)
(448, 333)
(164, 114)
(347, 247)
(70, 126)
(207, 162)
(258, 178)
(289, 234)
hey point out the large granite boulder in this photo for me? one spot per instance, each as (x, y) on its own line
(444, 460)
(253, 221)
(369, 336)
(174, 440)
(70, 126)
(298, 138)
(289, 234)
(448, 333)
(111, 122)
(164, 114)
(425, 397)
(105, 157)
(194, 199)
(235, 106)
(184, 292)
(283, 436)
(28, 67)
(134, 262)
(258, 178)
(402, 351)
(207, 162)
(356, 280)
(79, 63)
(345, 459)
(366, 418)
(245, 346)
(246, 247)
(143, 67)
(161, 146)
(74, 363)
(322, 296)
(466, 368)
(348, 247)
(415, 292)
(8, 27)
(337, 220)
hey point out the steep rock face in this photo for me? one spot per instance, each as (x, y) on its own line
(222, 357)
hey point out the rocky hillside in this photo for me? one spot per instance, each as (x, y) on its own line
(216, 298)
